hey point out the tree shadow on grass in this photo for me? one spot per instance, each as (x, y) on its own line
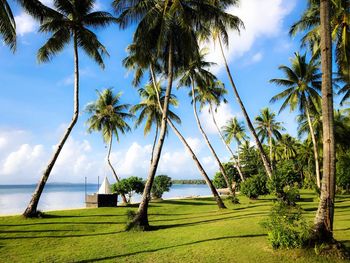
(342, 207)
(185, 202)
(48, 216)
(35, 231)
(306, 200)
(194, 217)
(208, 221)
(250, 206)
(65, 236)
(170, 247)
(310, 209)
(66, 223)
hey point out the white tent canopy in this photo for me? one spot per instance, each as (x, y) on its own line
(105, 187)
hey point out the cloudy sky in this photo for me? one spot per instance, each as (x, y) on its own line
(36, 100)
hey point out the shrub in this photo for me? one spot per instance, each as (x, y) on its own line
(254, 186)
(286, 226)
(129, 186)
(343, 172)
(161, 184)
(285, 182)
(233, 199)
(231, 172)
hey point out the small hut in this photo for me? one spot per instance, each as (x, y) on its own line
(103, 198)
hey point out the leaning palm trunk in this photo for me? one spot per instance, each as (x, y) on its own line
(200, 167)
(112, 168)
(246, 116)
(141, 219)
(217, 197)
(236, 162)
(154, 142)
(314, 144)
(221, 168)
(271, 155)
(325, 213)
(31, 210)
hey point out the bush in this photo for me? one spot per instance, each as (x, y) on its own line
(343, 172)
(232, 174)
(254, 186)
(129, 186)
(233, 199)
(161, 184)
(285, 182)
(286, 227)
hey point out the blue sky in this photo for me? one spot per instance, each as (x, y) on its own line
(36, 101)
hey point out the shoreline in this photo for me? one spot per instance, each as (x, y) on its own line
(133, 203)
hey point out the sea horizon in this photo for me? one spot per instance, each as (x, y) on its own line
(60, 196)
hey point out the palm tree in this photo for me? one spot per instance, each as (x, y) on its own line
(235, 130)
(108, 116)
(287, 147)
(187, 146)
(7, 25)
(268, 128)
(168, 31)
(340, 27)
(72, 19)
(150, 112)
(219, 33)
(323, 223)
(203, 90)
(214, 101)
(139, 59)
(302, 82)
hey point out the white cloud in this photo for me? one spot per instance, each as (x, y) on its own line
(257, 57)
(222, 115)
(25, 24)
(195, 144)
(260, 18)
(22, 162)
(69, 80)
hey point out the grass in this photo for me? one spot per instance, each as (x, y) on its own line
(184, 231)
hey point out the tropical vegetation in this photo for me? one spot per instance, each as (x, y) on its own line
(301, 174)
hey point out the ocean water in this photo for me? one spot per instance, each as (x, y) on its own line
(15, 198)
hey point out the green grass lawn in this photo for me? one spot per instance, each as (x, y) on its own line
(185, 231)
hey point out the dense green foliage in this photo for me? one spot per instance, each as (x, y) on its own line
(129, 186)
(193, 181)
(285, 180)
(161, 184)
(343, 172)
(254, 186)
(231, 172)
(286, 226)
(191, 230)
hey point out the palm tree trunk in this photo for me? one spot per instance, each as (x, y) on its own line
(315, 146)
(31, 210)
(325, 213)
(221, 168)
(217, 197)
(226, 145)
(111, 166)
(141, 219)
(246, 116)
(238, 153)
(270, 146)
(154, 142)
